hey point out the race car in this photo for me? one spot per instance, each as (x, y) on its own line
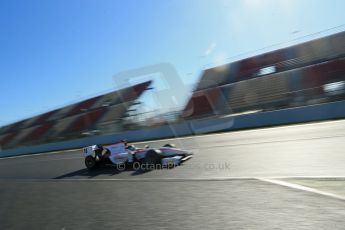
(121, 154)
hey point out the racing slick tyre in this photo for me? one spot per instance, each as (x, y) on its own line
(169, 146)
(90, 163)
(152, 159)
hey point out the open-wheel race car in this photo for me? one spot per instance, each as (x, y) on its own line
(122, 154)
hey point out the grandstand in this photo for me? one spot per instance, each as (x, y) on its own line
(97, 115)
(308, 73)
(294, 76)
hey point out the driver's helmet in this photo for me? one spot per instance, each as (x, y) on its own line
(131, 147)
(100, 147)
(97, 147)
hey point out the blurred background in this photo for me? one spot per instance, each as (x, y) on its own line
(79, 69)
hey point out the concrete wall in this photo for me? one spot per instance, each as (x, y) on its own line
(294, 115)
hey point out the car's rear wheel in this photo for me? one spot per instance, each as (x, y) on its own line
(90, 163)
(152, 159)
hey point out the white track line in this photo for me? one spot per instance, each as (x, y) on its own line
(39, 154)
(210, 179)
(143, 179)
(323, 177)
(301, 187)
(266, 179)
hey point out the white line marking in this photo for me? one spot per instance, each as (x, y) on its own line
(39, 154)
(146, 179)
(330, 177)
(58, 159)
(169, 179)
(301, 187)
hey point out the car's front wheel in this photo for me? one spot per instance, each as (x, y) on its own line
(90, 163)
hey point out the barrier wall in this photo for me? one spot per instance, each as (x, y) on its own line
(294, 115)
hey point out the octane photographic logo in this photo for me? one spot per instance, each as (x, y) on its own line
(168, 92)
(220, 166)
(143, 167)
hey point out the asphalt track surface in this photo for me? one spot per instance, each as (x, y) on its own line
(228, 184)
